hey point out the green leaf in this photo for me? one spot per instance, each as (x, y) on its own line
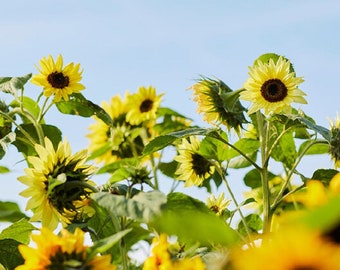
(245, 145)
(30, 105)
(142, 207)
(4, 169)
(324, 175)
(242, 162)
(161, 142)
(105, 244)
(110, 168)
(192, 222)
(5, 142)
(79, 105)
(168, 168)
(10, 212)
(285, 150)
(10, 85)
(19, 231)
(24, 145)
(324, 132)
(254, 224)
(10, 256)
(253, 178)
(315, 149)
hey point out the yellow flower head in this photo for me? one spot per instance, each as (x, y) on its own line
(58, 80)
(288, 249)
(58, 185)
(143, 105)
(66, 251)
(217, 204)
(334, 148)
(193, 167)
(218, 103)
(162, 259)
(272, 86)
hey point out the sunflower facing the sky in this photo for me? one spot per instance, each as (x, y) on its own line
(272, 86)
(66, 251)
(58, 185)
(143, 105)
(58, 80)
(193, 167)
(289, 249)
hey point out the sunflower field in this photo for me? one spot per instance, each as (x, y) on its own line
(288, 220)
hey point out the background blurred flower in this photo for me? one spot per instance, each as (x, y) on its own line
(334, 148)
(66, 251)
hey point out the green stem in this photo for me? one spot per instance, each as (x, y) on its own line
(239, 151)
(264, 173)
(243, 220)
(279, 196)
(42, 112)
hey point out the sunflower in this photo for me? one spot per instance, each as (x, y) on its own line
(217, 204)
(58, 185)
(58, 80)
(193, 167)
(272, 86)
(66, 251)
(121, 139)
(288, 249)
(334, 148)
(218, 103)
(143, 105)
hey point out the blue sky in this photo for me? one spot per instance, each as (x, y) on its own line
(122, 45)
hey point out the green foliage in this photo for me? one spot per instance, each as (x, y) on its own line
(253, 222)
(9, 254)
(10, 212)
(19, 231)
(12, 84)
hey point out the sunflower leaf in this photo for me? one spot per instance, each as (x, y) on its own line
(10, 211)
(19, 231)
(10, 256)
(10, 85)
(79, 105)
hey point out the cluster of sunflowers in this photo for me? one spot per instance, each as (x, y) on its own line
(288, 220)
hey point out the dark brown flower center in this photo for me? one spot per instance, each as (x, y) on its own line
(146, 106)
(303, 267)
(58, 80)
(200, 165)
(274, 90)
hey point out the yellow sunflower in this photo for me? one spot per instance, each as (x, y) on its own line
(334, 148)
(121, 139)
(58, 185)
(58, 80)
(66, 251)
(288, 249)
(143, 105)
(193, 167)
(163, 259)
(217, 204)
(272, 86)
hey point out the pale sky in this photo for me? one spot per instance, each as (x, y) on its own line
(122, 45)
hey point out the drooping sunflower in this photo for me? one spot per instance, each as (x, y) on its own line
(66, 251)
(218, 103)
(143, 105)
(116, 141)
(58, 185)
(193, 167)
(334, 148)
(289, 249)
(272, 86)
(58, 80)
(217, 204)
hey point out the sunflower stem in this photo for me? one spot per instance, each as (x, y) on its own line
(264, 172)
